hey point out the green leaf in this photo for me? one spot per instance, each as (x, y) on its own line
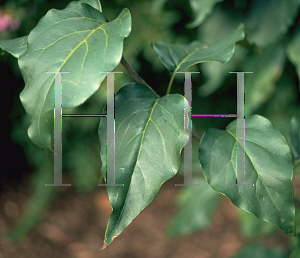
(201, 9)
(77, 39)
(176, 57)
(94, 3)
(15, 47)
(268, 165)
(295, 137)
(267, 70)
(293, 52)
(195, 208)
(216, 73)
(149, 136)
(269, 20)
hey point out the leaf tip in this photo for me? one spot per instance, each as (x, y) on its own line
(106, 245)
(103, 247)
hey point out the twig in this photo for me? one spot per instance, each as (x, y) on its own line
(135, 75)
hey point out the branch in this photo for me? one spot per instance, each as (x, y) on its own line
(138, 79)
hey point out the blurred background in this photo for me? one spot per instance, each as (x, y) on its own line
(39, 221)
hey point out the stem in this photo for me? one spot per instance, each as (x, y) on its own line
(138, 79)
(170, 83)
(135, 75)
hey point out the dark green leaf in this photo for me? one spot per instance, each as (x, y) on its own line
(176, 57)
(268, 165)
(94, 3)
(149, 136)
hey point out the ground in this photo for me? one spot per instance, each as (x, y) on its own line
(74, 227)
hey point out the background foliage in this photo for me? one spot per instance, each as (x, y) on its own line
(271, 50)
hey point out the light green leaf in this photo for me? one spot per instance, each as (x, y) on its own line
(201, 9)
(195, 207)
(149, 136)
(293, 52)
(77, 39)
(15, 47)
(268, 165)
(176, 57)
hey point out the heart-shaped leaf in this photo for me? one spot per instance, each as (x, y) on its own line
(149, 136)
(268, 165)
(78, 39)
(16, 47)
(176, 57)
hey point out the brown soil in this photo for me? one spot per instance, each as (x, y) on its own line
(74, 227)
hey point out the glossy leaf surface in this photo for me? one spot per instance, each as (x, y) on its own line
(149, 136)
(77, 39)
(268, 165)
